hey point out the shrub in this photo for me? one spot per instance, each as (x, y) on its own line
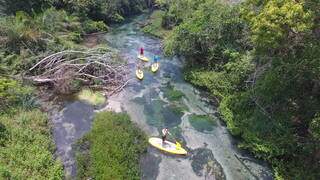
(12, 93)
(91, 26)
(27, 150)
(115, 145)
(315, 127)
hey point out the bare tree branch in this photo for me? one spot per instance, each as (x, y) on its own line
(97, 68)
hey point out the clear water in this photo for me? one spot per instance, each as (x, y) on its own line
(212, 152)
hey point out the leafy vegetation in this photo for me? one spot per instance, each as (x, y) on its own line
(154, 25)
(13, 94)
(29, 6)
(315, 127)
(177, 11)
(34, 28)
(115, 145)
(111, 11)
(261, 60)
(107, 11)
(24, 37)
(26, 148)
(29, 31)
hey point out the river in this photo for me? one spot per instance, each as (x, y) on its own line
(213, 153)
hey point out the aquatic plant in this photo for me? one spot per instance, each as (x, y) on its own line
(202, 123)
(93, 98)
(173, 94)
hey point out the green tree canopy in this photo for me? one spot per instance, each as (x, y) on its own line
(29, 6)
(275, 24)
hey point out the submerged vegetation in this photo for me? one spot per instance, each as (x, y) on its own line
(261, 60)
(91, 97)
(172, 93)
(202, 123)
(112, 149)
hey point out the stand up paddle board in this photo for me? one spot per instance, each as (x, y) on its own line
(139, 74)
(154, 67)
(167, 146)
(143, 58)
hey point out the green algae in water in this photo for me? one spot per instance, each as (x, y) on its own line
(172, 115)
(93, 98)
(202, 123)
(160, 116)
(177, 134)
(139, 100)
(158, 113)
(178, 109)
(153, 113)
(172, 94)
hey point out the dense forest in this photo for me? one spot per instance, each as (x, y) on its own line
(259, 59)
(29, 31)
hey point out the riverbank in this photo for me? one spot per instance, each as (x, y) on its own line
(153, 25)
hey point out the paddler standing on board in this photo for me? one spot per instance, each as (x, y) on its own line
(165, 132)
(156, 59)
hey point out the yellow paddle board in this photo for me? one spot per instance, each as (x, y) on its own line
(143, 58)
(154, 67)
(139, 74)
(167, 146)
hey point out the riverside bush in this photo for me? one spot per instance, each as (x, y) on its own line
(26, 147)
(114, 146)
(260, 59)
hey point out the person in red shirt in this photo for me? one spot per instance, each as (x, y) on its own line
(141, 51)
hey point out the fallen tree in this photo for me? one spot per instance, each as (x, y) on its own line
(97, 68)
